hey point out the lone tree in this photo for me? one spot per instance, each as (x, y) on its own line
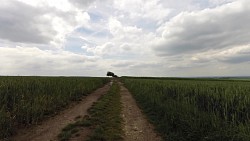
(110, 74)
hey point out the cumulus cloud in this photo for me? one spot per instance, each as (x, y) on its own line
(200, 31)
(23, 23)
(33, 61)
(137, 67)
(143, 9)
(126, 42)
(139, 37)
(135, 64)
(106, 48)
(123, 33)
(82, 3)
(233, 55)
(220, 2)
(20, 22)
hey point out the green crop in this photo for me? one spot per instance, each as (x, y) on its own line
(187, 110)
(27, 100)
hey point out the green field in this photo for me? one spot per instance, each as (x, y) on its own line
(195, 109)
(182, 109)
(27, 100)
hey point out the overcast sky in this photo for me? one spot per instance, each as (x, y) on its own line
(180, 38)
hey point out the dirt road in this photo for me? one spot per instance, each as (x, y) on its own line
(49, 129)
(136, 126)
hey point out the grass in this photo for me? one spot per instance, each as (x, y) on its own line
(104, 119)
(187, 110)
(28, 100)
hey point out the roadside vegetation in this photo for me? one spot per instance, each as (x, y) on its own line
(104, 119)
(188, 110)
(27, 100)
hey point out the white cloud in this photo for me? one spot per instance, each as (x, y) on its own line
(33, 61)
(107, 48)
(62, 5)
(233, 55)
(140, 37)
(126, 42)
(122, 31)
(144, 13)
(220, 2)
(38, 23)
(204, 30)
(82, 3)
(139, 9)
(137, 67)
(26, 26)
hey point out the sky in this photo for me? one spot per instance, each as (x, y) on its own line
(165, 38)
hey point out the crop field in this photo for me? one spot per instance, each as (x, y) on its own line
(188, 110)
(27, 100)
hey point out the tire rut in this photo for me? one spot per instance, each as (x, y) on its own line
(49, 129)
(136, 126)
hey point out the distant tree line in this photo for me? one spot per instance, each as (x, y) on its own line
(111, 74)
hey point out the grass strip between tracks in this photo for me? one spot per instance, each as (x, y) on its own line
(104, 119)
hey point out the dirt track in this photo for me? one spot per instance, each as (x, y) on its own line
(136, 126)
(49, 129)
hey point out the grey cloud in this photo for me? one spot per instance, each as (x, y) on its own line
(135, 64)
(147, 65)
(208, 29)
(125, 47)
(20, 22)
(39, 62)
(234, 55)
(237, 59)
(202, 60)
(82, 3)
(122, 64)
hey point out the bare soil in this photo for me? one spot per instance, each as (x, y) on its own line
(50, 128)
(136, 126)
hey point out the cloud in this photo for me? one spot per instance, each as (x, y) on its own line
(135, 64)
(192, 32)
(20, 22)
(147, 14)
(126, 47)
(235, 55)
(33, 61)
(123, 64)
(220, 2)
(140, 37)
(117, 29)
(23, 23)
(125, 42)
(142, 9)
(137, 67)
(82, 3)
(107, 48)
